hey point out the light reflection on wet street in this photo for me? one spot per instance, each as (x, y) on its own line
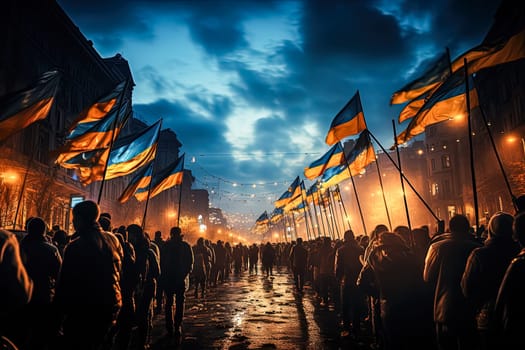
(255, 312)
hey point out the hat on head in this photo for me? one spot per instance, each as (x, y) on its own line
(500, 225)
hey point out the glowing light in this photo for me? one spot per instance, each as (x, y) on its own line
(457, 140)
(234, 184)
(444, 146)
(254, 186)
(511, 139)
(419, 151)
(193, 159)
(9, 177)
(171, 214)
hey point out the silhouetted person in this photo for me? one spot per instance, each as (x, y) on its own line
(147, 267)
(176, 263)
(444, 266)
(510, 303)
(347, 268)
(299, 263)
(128, 282)
(268, 258)
(405, 304)
(201, 259)
(88, 289)
(326, 270)
(42, 261)
(253, 257)
(484, 272)
(220, 262)
(60, 240)
(15, 287)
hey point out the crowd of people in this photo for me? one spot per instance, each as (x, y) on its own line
(101, 287)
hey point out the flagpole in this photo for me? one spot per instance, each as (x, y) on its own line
(338, 210)
(332, 213)
(401, 179)
(180, 192)
(328, 224)
(383, 192)
(471, 150)
(320, 211)
(111, 142)
(500, 163)
(316, 217)
(22, 189)
(344, 208)
(405, 178)
(154, 161)
(305, 203)
(294, 225)
(355, 191)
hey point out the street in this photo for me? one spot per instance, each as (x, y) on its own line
(255, 312)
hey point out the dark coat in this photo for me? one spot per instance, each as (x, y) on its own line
(483, 274)
(444, 265)
(347, 263)
(90, 274)
(176, 263)
(42, 261)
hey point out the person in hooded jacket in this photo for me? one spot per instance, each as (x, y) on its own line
(484, 272)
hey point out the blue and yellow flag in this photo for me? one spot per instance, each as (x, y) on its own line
(99, 134)
(168, 177)
(127, 154)
(292, 192)
(263, 219)
(21, 109)
(296, 198)
(349, 121)
(357, 159)
(277, 214)
(433, 75)
(333, 157)
(97, 111)
(141, 180)
(447, 102)
(507, 49)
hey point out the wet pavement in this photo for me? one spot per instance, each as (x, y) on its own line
(256, 312)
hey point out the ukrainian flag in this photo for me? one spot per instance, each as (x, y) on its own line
(141, 180)
(432, 77)
(263, 219)
(131, 152)
(509, 48)
(93, 135)
(277, 214)
(447, 102)
(296, 199)
(293, 191)
(26, 107)
(331, 158)
(98, 110)
(168, 177)
(357, 159)
(312, 191)
(127, 154)
(349, 121)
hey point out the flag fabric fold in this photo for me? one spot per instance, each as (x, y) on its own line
(93, 135)
(431, 77)
(349, 121)
(357, 159)
(263, 219)
(127, 154)
(277, 214)
(141, 179)
(21, 109)
(507, 48)
(333, 157)
(292, 192)
(447, 102)
(166, 178)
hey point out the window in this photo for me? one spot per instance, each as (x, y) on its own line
(435, 189)
(445, 161)
(433, 164)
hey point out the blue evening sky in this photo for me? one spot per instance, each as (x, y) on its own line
(250, 87)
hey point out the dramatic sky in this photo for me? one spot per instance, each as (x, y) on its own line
(250, 87)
